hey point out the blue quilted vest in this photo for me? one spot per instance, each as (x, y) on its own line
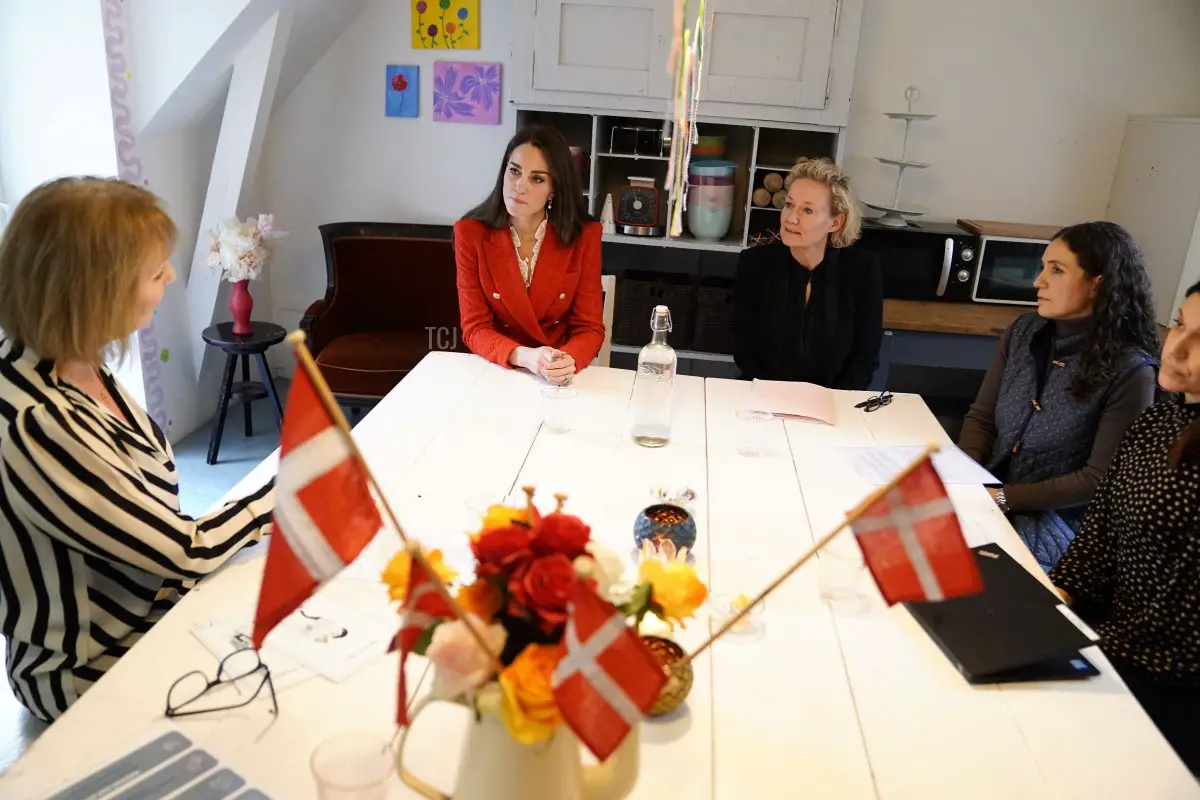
(1042, 435)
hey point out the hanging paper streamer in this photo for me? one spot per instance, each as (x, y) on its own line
(686, 63)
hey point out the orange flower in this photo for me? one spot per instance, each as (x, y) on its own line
(481, 599)
(396, 573)
(529, 712)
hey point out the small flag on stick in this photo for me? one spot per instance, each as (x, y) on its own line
(324, 513)
(422, 606)
(607, 678)
(912, 541)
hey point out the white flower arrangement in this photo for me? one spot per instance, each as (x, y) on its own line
(239, 249)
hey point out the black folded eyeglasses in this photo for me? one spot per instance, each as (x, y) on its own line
(194, 693)
(875, 403)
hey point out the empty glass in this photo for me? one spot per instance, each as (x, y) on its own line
(754, 432)
(840, 571)
(353, 766)
(558, 404)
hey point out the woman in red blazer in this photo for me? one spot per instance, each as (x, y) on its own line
(528, 259)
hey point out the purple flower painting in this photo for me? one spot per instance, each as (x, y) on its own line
(465, 91)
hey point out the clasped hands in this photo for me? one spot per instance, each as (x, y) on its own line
(550, 363)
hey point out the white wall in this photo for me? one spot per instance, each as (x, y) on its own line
(332, 155)
(55, 116)
(1031, 98)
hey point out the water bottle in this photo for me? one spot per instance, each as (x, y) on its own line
(653, 384)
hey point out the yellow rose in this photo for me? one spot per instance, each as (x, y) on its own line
(499, 516)
(529, 711)
(674, 587)
(396, 573)
(480, 598)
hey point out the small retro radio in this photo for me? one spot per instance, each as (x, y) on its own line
(637, 208)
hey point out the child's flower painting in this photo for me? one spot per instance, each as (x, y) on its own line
(403, 91)
(445, 24)
(465, 91)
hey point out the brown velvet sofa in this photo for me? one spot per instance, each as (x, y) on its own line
(390, 299)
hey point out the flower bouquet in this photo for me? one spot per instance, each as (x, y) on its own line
(526, 566)
(239, 250)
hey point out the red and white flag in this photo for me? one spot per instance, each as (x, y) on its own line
(422, 606)
(607, 678)
(324, 513)
(913, 544)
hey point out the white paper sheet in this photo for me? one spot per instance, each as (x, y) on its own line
(878, 465)
(794, 400)
(322, 638)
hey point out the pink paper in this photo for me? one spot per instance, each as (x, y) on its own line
(793, 399)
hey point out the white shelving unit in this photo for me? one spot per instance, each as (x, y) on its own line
(758, 148)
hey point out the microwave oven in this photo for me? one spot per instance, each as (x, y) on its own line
(947, 261)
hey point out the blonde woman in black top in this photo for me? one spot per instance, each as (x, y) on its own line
(1133, 571)
(809, 307)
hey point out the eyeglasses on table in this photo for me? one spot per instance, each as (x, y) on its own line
(876, 402)
(193, 693)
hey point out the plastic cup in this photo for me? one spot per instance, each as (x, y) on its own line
(353, 766)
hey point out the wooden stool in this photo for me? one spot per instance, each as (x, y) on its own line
(263, 336)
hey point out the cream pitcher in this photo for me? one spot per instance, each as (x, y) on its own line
(497, 767)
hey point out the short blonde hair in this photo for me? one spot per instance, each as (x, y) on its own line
(70, 262)
(842, 199)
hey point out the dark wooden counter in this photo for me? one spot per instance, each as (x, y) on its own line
(976, 319)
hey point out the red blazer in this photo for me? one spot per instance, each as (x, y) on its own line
(563, 307)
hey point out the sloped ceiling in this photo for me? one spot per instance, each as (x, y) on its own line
(316, 24)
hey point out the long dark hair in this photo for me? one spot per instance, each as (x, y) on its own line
(1124, 306)
(1188, 443)
(568, 213)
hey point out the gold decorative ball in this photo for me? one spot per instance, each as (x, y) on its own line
(679, 682)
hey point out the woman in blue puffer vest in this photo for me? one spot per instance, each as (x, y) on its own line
(1065, 383)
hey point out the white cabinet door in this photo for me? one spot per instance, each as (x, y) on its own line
(603, 47)
(770, 52)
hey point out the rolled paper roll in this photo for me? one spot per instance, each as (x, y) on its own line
(762, 197)
(779, 198)
(773, 181)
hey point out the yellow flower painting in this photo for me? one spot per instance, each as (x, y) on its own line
(445, 24)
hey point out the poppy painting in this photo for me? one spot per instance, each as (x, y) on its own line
(466, 91)
(445, 24)
(403, 91)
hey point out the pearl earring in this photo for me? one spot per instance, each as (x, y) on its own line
(550, 204)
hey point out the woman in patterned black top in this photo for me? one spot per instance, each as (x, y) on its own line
(1133, 571)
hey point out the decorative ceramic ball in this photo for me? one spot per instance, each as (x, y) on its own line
(665, 521)
(679, 682)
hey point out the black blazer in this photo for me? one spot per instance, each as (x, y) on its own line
(832, 340)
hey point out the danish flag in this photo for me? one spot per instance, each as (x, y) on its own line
(324, 513)
(913, 544)
(607, 678)
(422, 606)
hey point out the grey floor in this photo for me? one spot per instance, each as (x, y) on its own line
(200, 487)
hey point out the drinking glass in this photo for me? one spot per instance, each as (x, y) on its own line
(353, 766)
(840, 570)
(754, 432)
(558, 404)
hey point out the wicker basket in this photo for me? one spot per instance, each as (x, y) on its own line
(714, 317)
(638, 292)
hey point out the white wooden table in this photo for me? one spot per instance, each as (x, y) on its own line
(812, 702)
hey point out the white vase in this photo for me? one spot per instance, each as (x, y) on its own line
(495, 766)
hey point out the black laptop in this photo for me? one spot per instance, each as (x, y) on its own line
(1012, 631)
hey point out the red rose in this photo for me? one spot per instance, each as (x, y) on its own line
(502, 549)
(547, 584)
(561, 533)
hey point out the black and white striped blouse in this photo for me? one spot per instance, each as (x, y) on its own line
(93, 548)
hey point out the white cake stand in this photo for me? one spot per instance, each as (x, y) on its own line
(894, 213)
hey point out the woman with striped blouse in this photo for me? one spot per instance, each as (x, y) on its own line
(93, 547)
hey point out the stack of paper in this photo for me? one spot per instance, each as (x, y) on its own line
(795, 400)
(878, 465)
